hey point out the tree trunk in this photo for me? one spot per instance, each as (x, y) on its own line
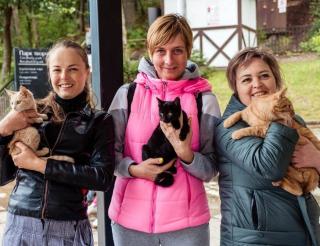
(35, 32)
(129, 7)
(29, 29)
(7, 45)
(16, 25)
(81, 16)
(124, 29)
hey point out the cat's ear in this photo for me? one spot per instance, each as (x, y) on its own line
(160, 102)
(280, 94)
(177, 101)
(10, 93)
(22, 88)
(283, 92)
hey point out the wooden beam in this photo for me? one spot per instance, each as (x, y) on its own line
(107, 77)
(239, 28)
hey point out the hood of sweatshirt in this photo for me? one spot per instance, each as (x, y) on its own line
(191, 82)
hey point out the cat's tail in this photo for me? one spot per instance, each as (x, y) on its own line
(62, 158)
(232, 119)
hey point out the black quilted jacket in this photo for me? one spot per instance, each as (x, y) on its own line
(85, 135)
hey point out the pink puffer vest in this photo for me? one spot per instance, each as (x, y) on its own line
(140, 204)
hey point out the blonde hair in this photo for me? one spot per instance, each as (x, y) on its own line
(244, 58)
(49, 101)
(166, 27)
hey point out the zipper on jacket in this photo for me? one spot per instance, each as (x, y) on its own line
(50, 153)
(164, 89)
(153, 208)
(189, 192)
(17, 181)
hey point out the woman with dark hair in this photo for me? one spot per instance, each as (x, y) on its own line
(254, 211)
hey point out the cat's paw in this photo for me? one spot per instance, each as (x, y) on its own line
(42, 152)
(291, 186)
(302, 141)
(227, 124)
(15, 151)
(37, 120)
(43, 116)
(236, 135)
(164, 179)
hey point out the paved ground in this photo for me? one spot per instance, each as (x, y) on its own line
(213, 197)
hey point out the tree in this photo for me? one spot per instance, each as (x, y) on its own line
(315, 11)
(7, 42)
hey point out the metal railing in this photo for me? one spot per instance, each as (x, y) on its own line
(280, 40)
(4, 99)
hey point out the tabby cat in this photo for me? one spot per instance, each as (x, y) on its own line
(20, 101)
(278, 108)
(159, 146)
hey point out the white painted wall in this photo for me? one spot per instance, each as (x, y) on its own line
(210, 13)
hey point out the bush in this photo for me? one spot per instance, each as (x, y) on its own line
(197, 58)
(130, 70)
(136, 37)
(313, 44)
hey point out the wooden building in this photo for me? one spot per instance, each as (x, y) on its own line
(283, 28)
(269, 16)
(220, 28)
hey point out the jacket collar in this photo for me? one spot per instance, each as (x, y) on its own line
(87, 110)
(233, 106)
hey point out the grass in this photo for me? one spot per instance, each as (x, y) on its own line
(302, 78)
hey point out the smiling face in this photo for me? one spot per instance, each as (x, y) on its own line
(68, 72)
(170, 59)
(253, 80)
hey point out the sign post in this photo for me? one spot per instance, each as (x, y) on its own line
(31, 71)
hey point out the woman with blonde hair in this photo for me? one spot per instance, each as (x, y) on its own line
(48, 203)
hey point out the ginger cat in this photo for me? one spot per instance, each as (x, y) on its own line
(259, 114)
(20, 101)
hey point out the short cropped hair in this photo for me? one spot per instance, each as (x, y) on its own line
(244, 58)
(166, 27)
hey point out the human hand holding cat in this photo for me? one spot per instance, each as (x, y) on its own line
(150, 168)
(16, 120)
(27, 159)
(306, 155)
(182, 148)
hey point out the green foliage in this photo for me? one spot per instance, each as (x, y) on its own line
(313, 44)
(61, 7)
(261, 36)
(315, 11)
(136, 37)
(302, 79)
(143, 10)
(198, 58)
(130, 69)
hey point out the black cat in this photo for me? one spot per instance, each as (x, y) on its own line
(159, 146)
